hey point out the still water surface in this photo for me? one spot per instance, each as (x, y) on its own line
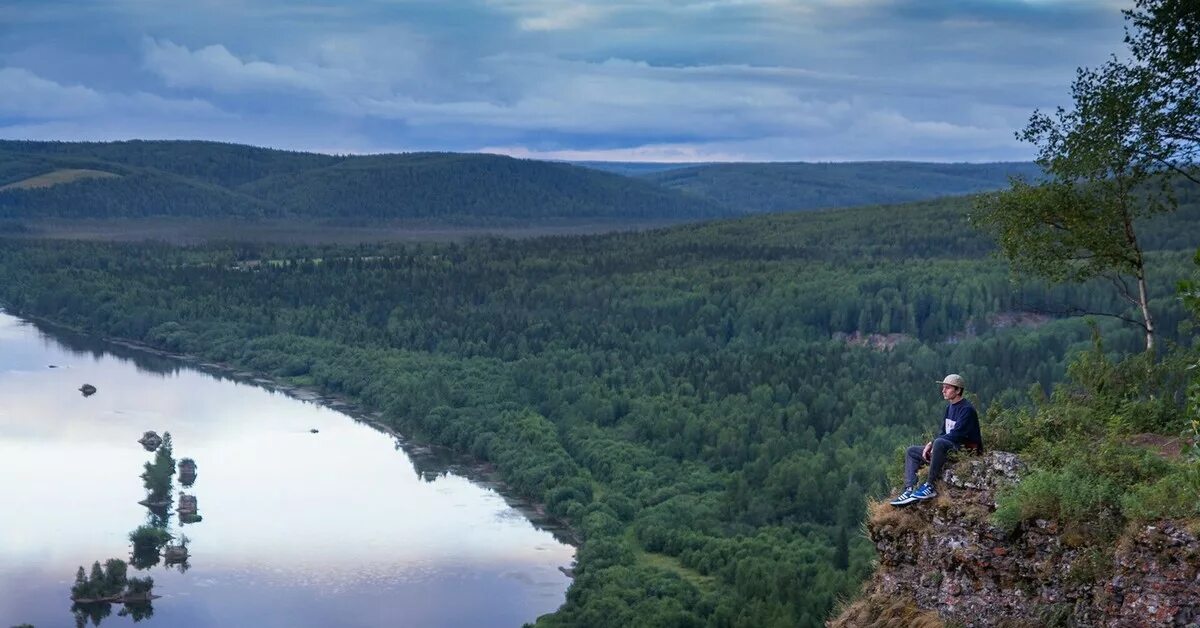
(338, 528)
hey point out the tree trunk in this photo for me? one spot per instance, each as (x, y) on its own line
(1144, 303)
(1139, 271)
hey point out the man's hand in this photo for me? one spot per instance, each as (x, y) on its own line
(928, 451)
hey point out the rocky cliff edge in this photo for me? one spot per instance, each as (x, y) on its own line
(943, 563)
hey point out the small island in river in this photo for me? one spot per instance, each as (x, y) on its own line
(150, 440)
(187, 472)
(110, 585)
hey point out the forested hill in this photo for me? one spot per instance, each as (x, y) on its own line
(214, 180)
(773, 187)
(707, 405)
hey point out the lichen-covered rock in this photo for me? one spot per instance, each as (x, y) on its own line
(986, 473)
(945, 556)
(1156, 577)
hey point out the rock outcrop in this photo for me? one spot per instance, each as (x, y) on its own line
(944, 562)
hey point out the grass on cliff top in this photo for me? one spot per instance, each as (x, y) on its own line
(896, 521)
(1100, 446)
(884, 611)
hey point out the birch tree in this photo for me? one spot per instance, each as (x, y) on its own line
(1118, 154)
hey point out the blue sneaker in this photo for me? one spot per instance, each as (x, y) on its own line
(905, 498)
(924, 492)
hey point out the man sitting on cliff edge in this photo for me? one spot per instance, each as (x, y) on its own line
(960, 428)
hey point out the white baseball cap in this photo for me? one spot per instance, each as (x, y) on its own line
(955, 379)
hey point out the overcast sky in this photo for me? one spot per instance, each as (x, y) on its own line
(668, 80)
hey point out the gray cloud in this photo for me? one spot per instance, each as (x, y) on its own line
(714, 79)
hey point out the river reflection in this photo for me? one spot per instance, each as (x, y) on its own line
(299, 528)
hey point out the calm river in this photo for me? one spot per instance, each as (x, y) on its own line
(342, 527)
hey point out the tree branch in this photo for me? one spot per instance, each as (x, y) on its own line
(1123, 288)
(1077, 311)
(1183, 136)
(1166, 162)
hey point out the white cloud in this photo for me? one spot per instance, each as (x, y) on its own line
(214, 67)
(24, 94)
(334, 71)
(841, 145)
(562, 18)
(554, 15)
(668, 153)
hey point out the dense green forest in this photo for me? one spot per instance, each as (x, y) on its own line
(773, 187)
(213, 180)
(709, 406)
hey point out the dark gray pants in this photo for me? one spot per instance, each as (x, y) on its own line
(914, 461)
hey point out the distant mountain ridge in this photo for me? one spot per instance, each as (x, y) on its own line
(197, 179)
(637, 168)
(214, 180)
(773, 187)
